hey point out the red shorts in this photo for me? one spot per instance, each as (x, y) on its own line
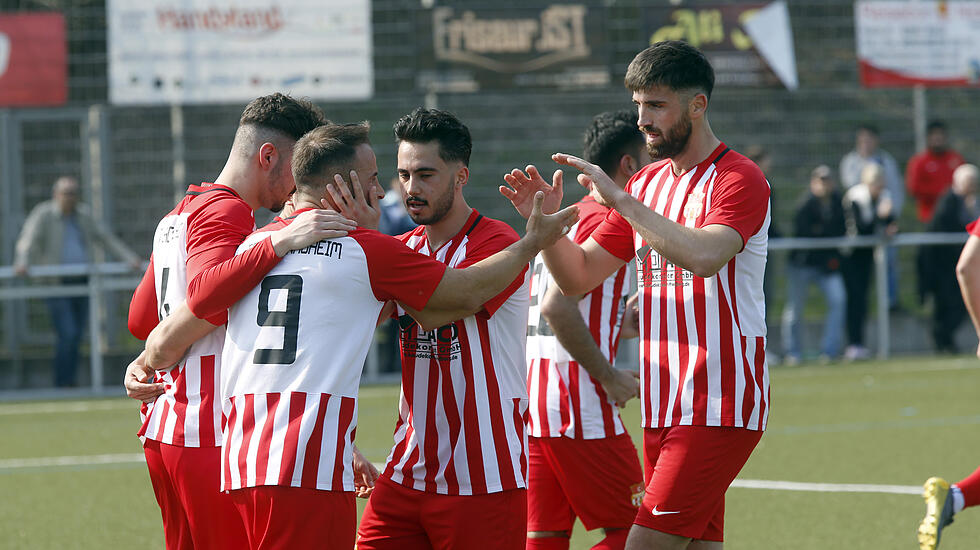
(687, 471)
(187, 484)
(399, 518)
(284, 518)
(597, 480)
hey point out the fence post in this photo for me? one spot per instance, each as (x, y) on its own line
(881, 293)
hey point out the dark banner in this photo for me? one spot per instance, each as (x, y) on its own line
(718, 31)
(33, 60)
(555, 45)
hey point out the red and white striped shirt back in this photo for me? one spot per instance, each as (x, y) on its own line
(703, 340)
(565, 401)
(463, 402)
(294, 351)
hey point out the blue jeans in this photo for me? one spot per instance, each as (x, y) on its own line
(69, 315)
(831, 284)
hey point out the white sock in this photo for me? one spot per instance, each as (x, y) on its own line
(958, 502)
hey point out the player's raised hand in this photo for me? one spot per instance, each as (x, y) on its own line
(605, 190)
(365, 475)
(365, 210)
(523, 186)
(621, 386)
(137, 381)
(310, 227)
(544, 230)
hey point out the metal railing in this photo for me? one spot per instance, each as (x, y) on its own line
(119, 276)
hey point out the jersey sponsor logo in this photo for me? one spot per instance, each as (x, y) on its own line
(663, 512)
(441, 344)
(322, 248)
(653, 270)
(636, 494)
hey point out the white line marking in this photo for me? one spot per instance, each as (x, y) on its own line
(58, 407)
(62, 461)
(827, 487)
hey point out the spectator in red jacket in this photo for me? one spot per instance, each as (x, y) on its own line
(930, 172)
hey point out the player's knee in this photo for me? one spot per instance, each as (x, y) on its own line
(615, 540)
(547, 540)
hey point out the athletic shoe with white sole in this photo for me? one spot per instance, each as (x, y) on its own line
(939, 512)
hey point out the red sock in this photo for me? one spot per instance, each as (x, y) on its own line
(971, 489)
(615, 540)
(547, 543)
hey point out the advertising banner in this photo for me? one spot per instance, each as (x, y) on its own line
(540, 44)
(180, 51)
(33, 60)
(747, 44)
(924, 43)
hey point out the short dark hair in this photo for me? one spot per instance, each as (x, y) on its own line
(282, 113)
(869, 128)
(674, 64)
(327, 150)
(936, 125)
(611, 135)
(427, 125)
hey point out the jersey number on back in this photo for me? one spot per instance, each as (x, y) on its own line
(164, 306)
(288, 318)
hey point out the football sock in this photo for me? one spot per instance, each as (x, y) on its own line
(615, 540)
(970, 488)
(547, 543)
(958, 503)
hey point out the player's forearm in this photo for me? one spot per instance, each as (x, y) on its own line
(563, 316)
(168, 342)
(468, 289)
(567, 264)
(968, 275)
(696, 250)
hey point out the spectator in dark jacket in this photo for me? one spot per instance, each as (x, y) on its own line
(819, 214)
(937, 263)
(868, 210)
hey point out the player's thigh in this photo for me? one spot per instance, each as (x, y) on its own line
(495, 521)
(694, 467)
(284, 518)
(176, 530)
(391, 520)
(547, 507)
(601, 478)
(214, 521)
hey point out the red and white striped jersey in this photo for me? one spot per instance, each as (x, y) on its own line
(463, 402)
(187, 413)
(294, 350)
(703, 340)
(565, 401)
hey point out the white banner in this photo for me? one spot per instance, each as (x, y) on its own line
(909, 43)
(220, 51)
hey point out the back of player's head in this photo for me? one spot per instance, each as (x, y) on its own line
(609, 136)
(936, 126)
(327, 150)
(428, 125)
(673, 64)
(276, 118)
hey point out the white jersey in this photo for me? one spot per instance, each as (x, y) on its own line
(565, 401)
(293, 356)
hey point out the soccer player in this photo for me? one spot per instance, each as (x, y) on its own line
(181, 428)
(455, 477)
(581, 461)
(296, 344)
(696, 221)
(943, 500)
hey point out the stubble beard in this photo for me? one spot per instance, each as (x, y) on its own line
(674, 141)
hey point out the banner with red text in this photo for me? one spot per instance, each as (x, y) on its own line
(219, 51)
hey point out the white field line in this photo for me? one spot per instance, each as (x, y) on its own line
(134, 458)
(59, 407)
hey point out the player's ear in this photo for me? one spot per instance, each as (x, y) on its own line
(698, 105)
(268, 156)
(462, 175)
(627, 165)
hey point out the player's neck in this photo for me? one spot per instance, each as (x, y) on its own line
(701, 144)
(442, 231)
(239, 177)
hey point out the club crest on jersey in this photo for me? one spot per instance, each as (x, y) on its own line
(636, 494)
(695, 205)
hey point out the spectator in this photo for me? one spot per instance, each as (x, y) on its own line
(819, 214)
(937, 263)
(867, 211)
(930, 172)
(866, 149)
(61, 231)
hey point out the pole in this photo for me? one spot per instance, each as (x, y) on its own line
(920, 109)
(881, 294)
(178, 148)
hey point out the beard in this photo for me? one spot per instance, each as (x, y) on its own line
(439, 208)
(673, 141)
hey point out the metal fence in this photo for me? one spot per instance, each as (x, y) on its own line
(132, 160)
